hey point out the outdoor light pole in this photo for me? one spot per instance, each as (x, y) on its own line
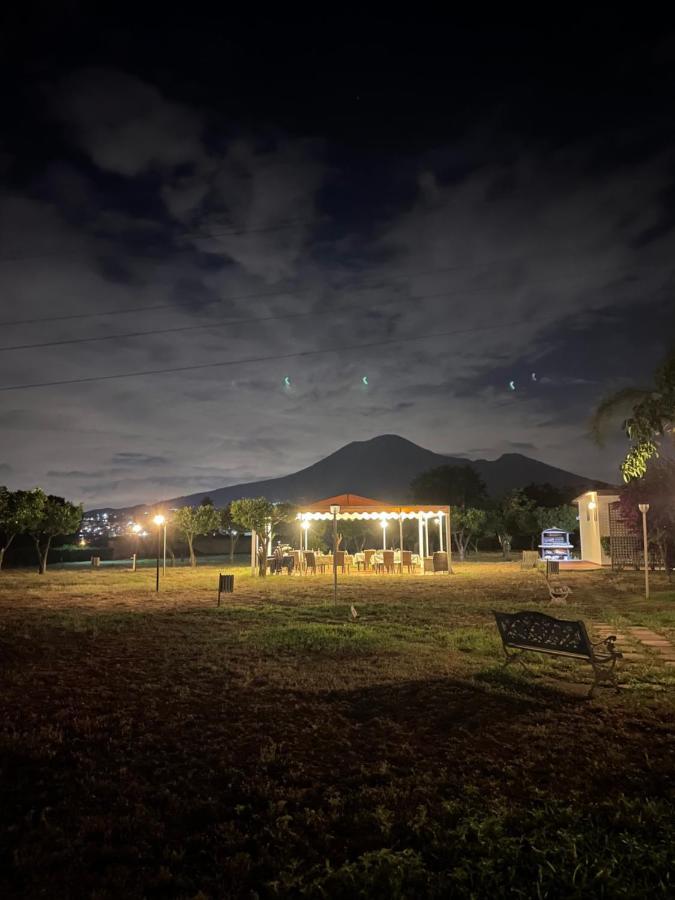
(644, 509)
(159, 520)
(335, 510)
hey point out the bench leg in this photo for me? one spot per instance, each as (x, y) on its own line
(604, 674)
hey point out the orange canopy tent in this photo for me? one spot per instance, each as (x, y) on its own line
(352, 507)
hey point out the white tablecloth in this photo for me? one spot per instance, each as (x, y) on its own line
(377, 559)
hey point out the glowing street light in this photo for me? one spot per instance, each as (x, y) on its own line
(160, 520)
(335, 509)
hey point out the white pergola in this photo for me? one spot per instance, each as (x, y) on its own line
(350, 507)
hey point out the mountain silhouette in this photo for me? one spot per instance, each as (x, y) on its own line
(383, 467)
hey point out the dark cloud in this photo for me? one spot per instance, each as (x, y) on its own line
(425, 217)
(129, 458)
(125, 124)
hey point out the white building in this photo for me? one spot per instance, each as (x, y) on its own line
(594, 524)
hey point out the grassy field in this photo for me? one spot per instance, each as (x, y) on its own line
(157, 746)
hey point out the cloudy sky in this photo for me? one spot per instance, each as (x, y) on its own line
(246, 219)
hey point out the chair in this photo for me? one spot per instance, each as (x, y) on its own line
(367, 556)
(296, 556)
(325, 562)
(310, 561)
(340, 560)
(406, 561)
(440, 561)
(387, 561)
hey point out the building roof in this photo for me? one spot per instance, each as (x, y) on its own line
(354, 506)
(600, 492)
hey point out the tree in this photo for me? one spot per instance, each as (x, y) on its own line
(657, 488)
(453, 485)
(513, 516)
(651, 414)
(191, 521)
(231, 528)
(17, 510)
(260, 515)
(52, 517)
(353, 533)
(548, 495)
(564, 517)
(466, 524)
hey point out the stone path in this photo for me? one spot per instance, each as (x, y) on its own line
(656, 642)
(628, 652)
(644, 637)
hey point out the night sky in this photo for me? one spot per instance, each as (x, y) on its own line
(477, 206)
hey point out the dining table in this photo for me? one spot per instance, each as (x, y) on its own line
(377, 559)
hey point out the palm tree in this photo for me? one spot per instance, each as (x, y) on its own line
(648, 413)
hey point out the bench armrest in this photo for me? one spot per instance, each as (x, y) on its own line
(608, 642)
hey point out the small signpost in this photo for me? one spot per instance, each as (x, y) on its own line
(225, 585)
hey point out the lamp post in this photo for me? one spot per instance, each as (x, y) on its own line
(384, 534)
(159, 520)
(644, 509)
(335, 509)
(136, 529)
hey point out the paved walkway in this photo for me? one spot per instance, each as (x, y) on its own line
(643, 637)
(622, 642)
(661, 646)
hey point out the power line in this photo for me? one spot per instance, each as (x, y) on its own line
(258, 359)
(201, 327)
(238, 321)
(375, 285)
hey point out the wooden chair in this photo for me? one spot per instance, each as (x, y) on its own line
(368, 555)
(387, 563)
(310, 561)
(406, 561)
(340, 560)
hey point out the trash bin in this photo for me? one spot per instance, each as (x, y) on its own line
(225, 585)
(552, 567)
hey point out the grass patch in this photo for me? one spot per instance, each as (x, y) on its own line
(317, 639)
(155, 746)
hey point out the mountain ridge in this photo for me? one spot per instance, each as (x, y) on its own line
(381, 467)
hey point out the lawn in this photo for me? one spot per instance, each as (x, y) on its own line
(157, 746)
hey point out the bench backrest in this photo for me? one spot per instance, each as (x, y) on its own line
(534, 629)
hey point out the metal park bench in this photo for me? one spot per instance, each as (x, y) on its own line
(559, 592)
(523, 632)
